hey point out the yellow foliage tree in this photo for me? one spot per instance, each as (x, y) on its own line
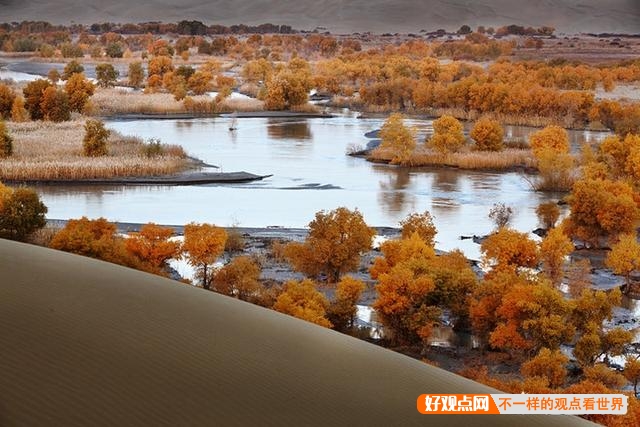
(342, 310)
(421, 224)
(79, 89)
(239, 279)
(601, 208)
(547, 364)
(302, 300)
(18, 111)
(398, 139)
(203, 244)
(624, 257)
(93, 238)
(336, 240)
(488, 135)
(447, 136)
(554, 138)
(553, 250)
(153, 246)
(508, 248)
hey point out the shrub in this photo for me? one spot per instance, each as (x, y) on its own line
(95, 139)
(6, 142)
(488, 135)
(447, 136)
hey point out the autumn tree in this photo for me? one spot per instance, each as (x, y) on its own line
(414, 287)
(7, 97)
(547, 364)
(33, 94)
(398, 139)
(6, 142)
(289, 87)
(447, 135)
(632, 372)
(548, 214)
(107, 75)
(600, 209)
(532, 315)
(203, 244)
(79, 89)
(334, 244)
(624, 257)
(53, 75)
(342, 310)
(508, 248)
(257, 70)
(94, 143)
(421, 223)
(18, 112)
(136, 74)
(73, 67)
(488, 135)
(55, 105)
(553, 250)
(240, 279)
(21, 213)
(200, 82)
(302, 300)
(93, 238)
(153, 246)
(159, 65)
(552, 138)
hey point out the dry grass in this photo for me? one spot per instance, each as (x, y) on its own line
(466, 159)
(228, 105)
(53, 151)
(117, 101)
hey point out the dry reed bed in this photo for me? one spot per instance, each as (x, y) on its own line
(118, 101)
(114, 101)
(509, 158)
(53, 151)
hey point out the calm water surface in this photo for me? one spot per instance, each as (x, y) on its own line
(310, 172)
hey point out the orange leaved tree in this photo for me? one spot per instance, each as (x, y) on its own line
(447, 135)
(336, 240)
(153, 247)
(239, 279)
(342, 310)
(302, 300)
(203, 245)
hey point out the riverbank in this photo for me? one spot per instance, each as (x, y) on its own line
(508, 160)
(185, 178)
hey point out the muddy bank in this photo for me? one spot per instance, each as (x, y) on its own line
(187, 178)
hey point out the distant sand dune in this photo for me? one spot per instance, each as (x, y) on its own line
(345, 15)
(86, 343)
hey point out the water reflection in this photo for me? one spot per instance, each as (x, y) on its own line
(446, 180)
(296, 130)
(393, 192)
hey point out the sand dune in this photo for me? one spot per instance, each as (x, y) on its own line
(343, 15)
(85, 343)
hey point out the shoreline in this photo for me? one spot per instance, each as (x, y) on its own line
(191, 116)
(187, 178)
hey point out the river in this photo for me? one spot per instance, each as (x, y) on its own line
(310, 172)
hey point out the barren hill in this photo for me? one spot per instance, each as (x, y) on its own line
(342, 15)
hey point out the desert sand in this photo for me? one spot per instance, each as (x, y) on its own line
(344, 16)
(84, 342)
